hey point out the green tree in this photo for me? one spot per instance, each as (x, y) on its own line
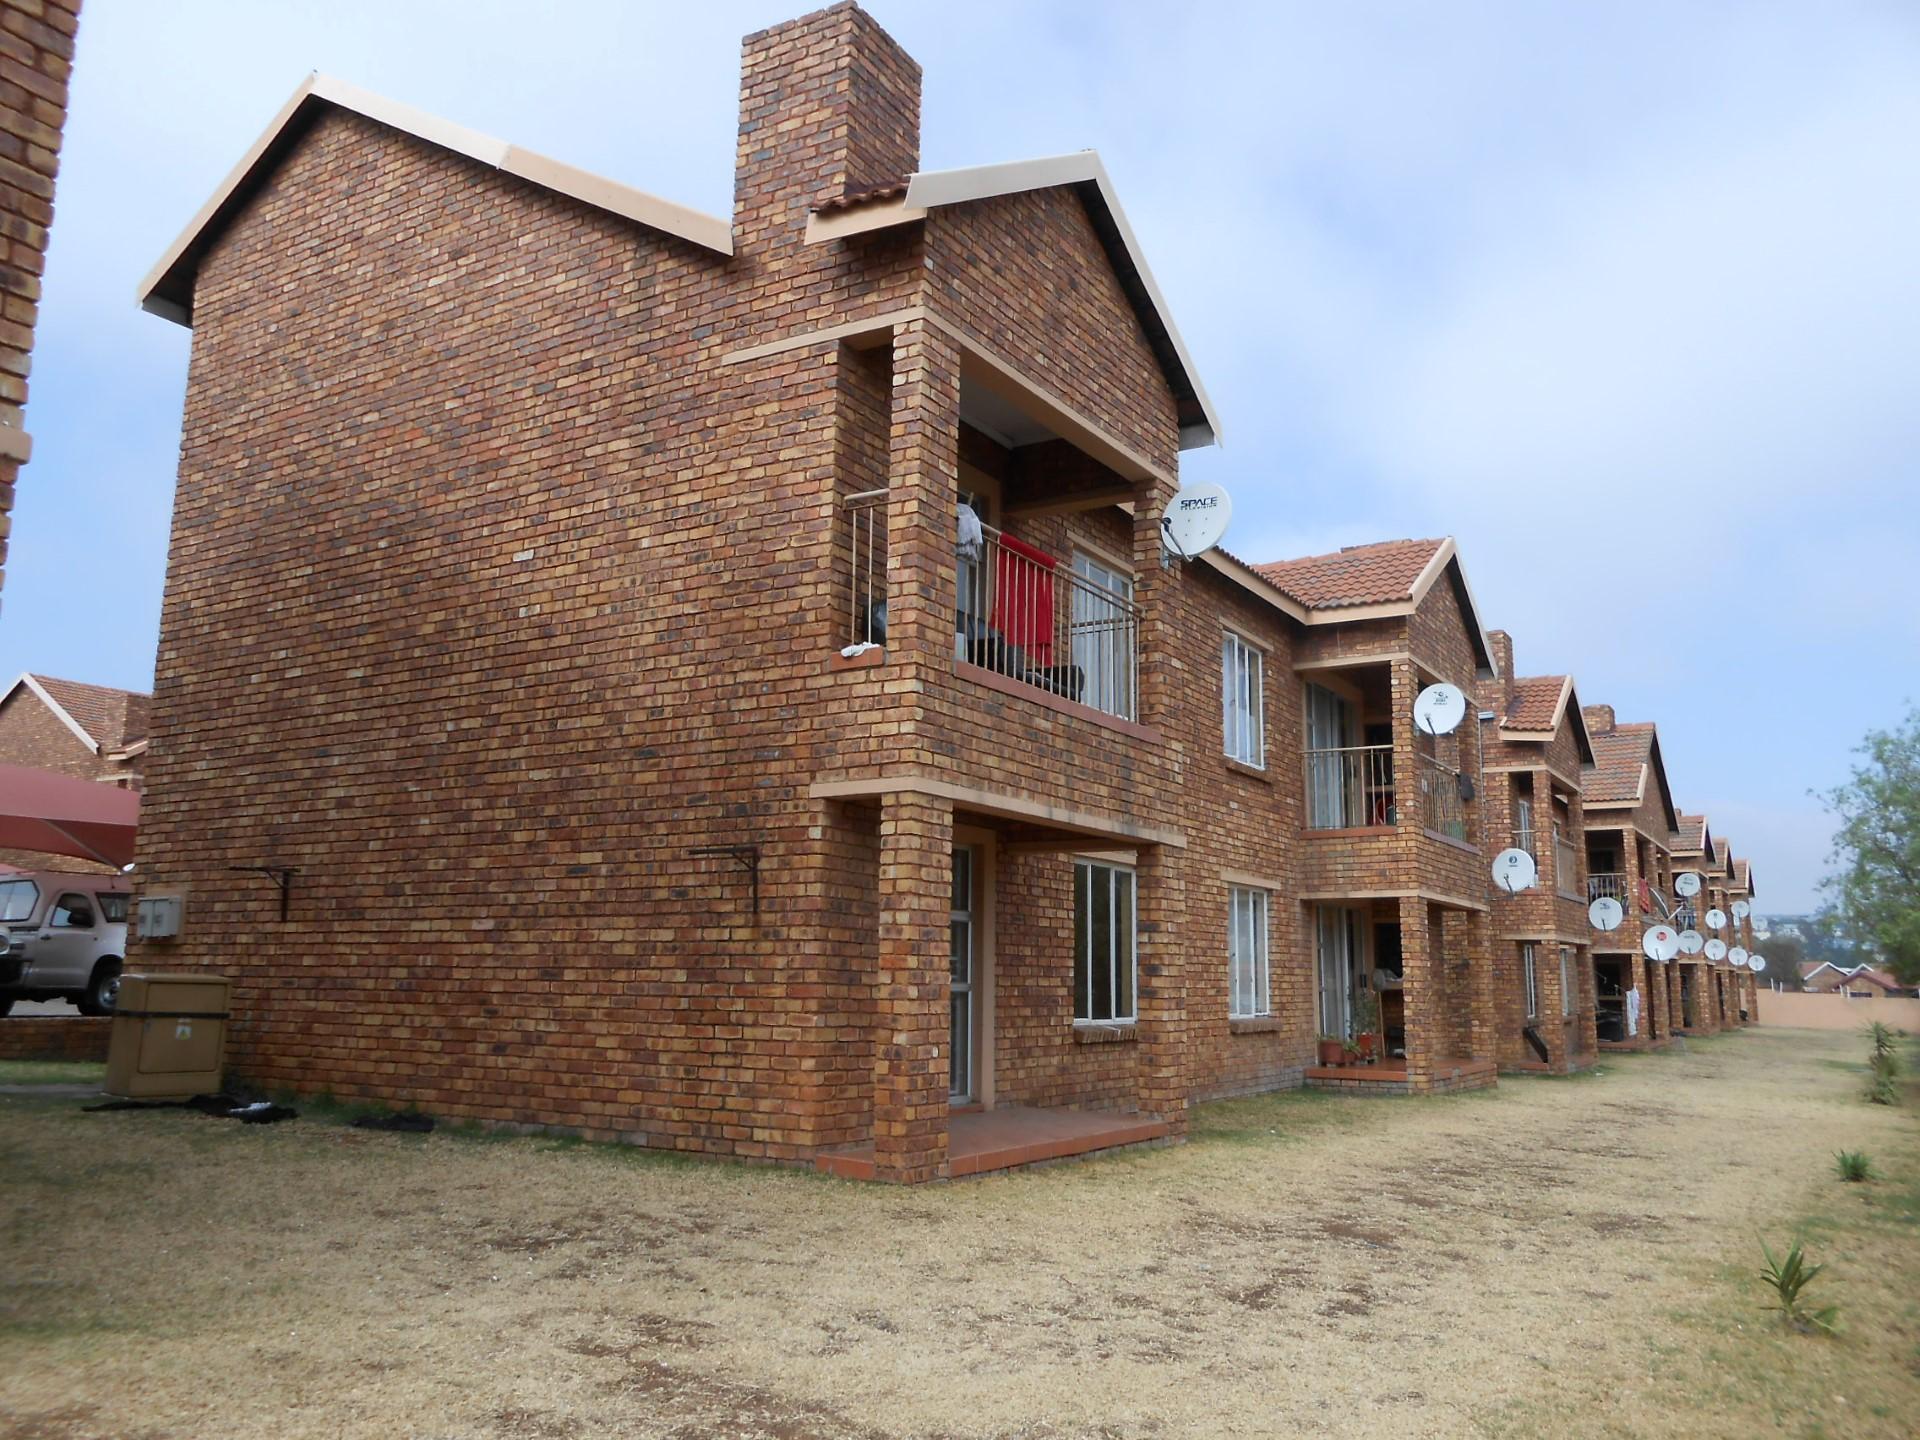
(1877, 847)
(1784, 953)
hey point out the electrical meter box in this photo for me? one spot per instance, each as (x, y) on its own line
(169, 1036)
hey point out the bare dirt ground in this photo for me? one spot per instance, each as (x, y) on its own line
(1560, 1257)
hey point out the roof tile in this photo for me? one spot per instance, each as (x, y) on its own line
(1358, 575)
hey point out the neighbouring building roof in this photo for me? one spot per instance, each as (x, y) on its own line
(168, 288)
(909, 198)
(1691, 836)
(1380, 574)
(1625, 758)
(1721, 856)
(1537, 703)
(104, 718)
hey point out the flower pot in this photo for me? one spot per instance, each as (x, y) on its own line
(1330, 1052)
(1368, 1047)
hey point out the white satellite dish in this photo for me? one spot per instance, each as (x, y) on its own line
(1660, 942)
(1761, 928)
(1606, 913)
(1514, 871)
(1687, 884)
(1716, 919)
(1738, 956)
(1692, 942)
(1195, 519)
(1716, 950)
(1439, 709)
(1756, 963)
(1741, 909)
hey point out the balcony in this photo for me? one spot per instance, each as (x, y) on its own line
(1350, 787)
(1566, 869)
(1608, 885)
(1443, 800)
(1068, 629)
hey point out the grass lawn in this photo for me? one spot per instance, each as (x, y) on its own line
(52, 1072)
(1555, 1258)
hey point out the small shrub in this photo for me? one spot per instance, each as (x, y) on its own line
(1853, 1165)
(1788, 1277)
(1885, 1040)
(1883, 1072)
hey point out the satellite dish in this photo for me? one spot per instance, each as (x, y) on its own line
(1716, 950)
(1687, 884)
(1756, 963)
(1738, 956)
(1692, 942)
(1514, 871)
(1660, 942)
(1439, 709)
(1716, 919)
(1606, 913)
(1195, 519)
(1741, 909)
(1761, 928)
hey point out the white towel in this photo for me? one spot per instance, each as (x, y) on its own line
(971, 536)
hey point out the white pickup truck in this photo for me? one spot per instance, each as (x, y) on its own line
(62, 937)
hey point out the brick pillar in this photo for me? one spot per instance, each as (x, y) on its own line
(1588, 1010)
(910, 990)
(1652, 1022)
(1475, 967)
(1165, 1081)
(1420, 990)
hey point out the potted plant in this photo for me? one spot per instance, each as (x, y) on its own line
(1366, 1022)
(1330, 1049)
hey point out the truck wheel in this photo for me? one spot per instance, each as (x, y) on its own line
(102, 990)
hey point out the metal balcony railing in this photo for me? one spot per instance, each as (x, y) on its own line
(864, 554)
(1025, 615)
(1349, 787)
(1523, 840)
(1609, 884)
(1443, 806)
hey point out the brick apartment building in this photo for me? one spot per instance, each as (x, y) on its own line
(1545, 980)
(36, 61)
(720, 684)
(89, 732)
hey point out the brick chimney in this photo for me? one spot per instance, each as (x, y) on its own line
(1599, 718)
(829, 106)
(1502, 644)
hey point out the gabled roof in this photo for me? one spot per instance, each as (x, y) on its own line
(1690, 835)
(1723, 856)
(910, 198)
(1367, 582)
(1540, 704)
(100, 717)
(1625, 758)
(1743, 875)
(168, 288)
(1390, 572)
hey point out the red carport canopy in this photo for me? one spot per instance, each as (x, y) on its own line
(56, 813)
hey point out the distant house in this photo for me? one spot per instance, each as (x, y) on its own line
(90, 732)
(1862, 982)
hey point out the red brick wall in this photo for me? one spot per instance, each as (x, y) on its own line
(38, 1037)
(36, 60)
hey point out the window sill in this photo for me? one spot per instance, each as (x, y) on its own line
(1255, 1025)
(1252, 772)
(1102, 1032)
(865, 660)
(1348, 831)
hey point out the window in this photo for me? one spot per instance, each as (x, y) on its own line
(1530, 982)
(1249, 977)
(1523, 825)
(1103, 635)
(1338, 945)
(74, 911)
(1242, 708)
(113, 909)
(1566, 980)
(17, 899)
(1103, 942)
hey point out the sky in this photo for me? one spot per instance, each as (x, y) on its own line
(1624, 297)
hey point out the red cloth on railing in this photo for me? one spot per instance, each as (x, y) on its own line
(1023, 598)
(1646, 898)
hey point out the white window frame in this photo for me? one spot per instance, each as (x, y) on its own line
(1249, 965)
(1243, 723)
(1566, 981)
(1123, 949)
(1109, 666)
(1530, 979)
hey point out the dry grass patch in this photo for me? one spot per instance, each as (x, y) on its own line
(1564, 1257)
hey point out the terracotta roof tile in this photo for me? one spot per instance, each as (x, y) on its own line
(1619, 757)
(1721, 859)
(1691, 837)
(854, 199)
(1535, 699)
(1358, 575)
(114, 718)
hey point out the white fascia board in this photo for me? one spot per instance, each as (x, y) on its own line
(707, 231)
(929, 189)
(33, 684)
